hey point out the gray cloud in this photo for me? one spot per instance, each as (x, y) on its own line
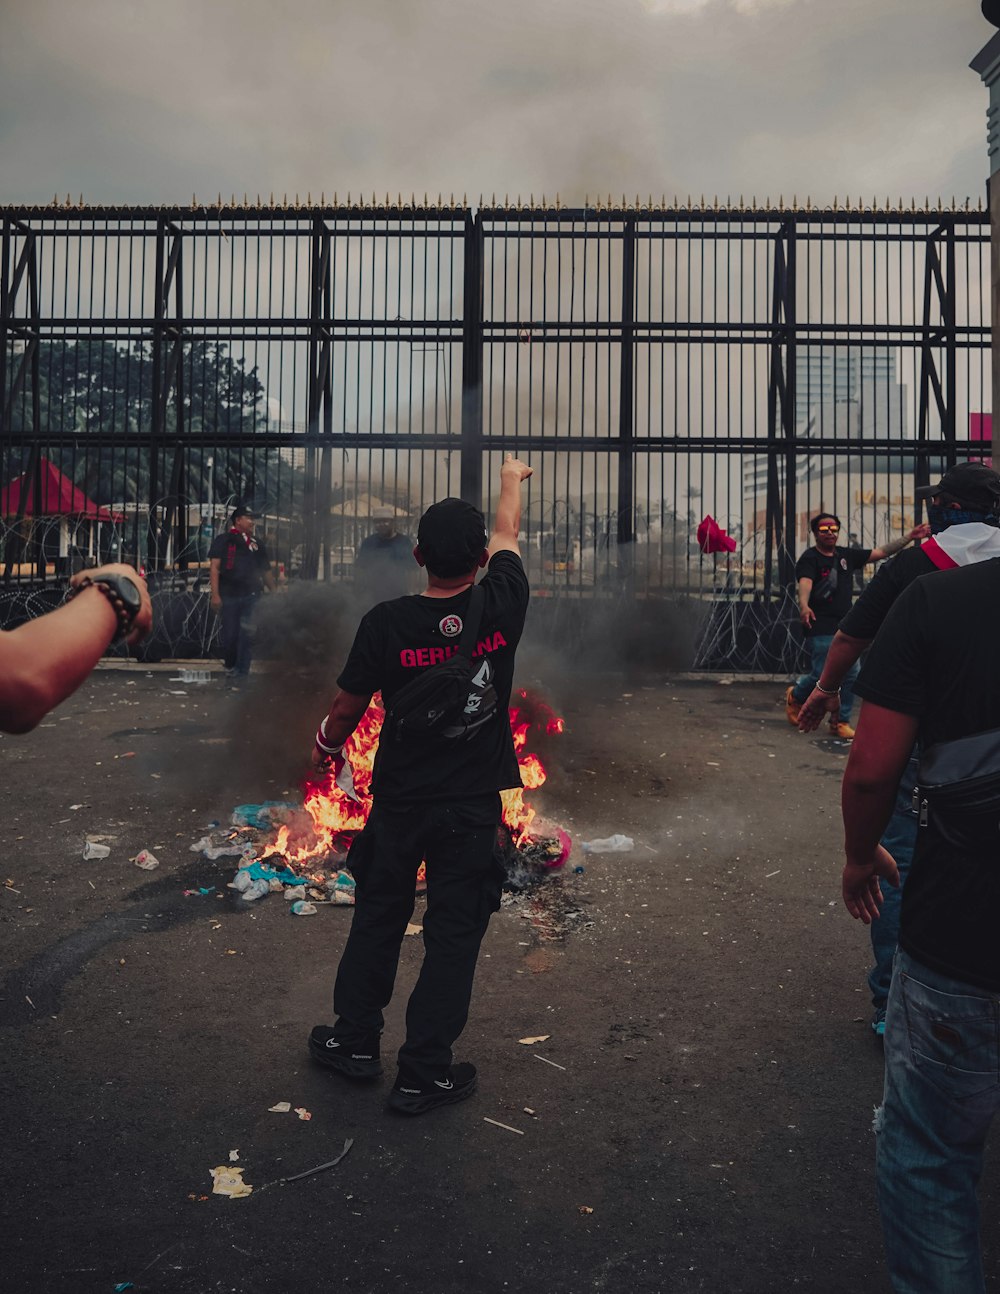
(147, 102)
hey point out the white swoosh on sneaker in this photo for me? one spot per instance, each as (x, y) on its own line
(446, 1084)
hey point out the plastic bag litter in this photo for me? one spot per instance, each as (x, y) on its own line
(228, 849)
(261, 816)
(248, 887)
(146, 860)
(303, 909)
(616, 844)
(340, 889)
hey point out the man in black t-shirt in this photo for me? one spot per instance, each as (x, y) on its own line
(931, 674)
(238, 571)
(824, 573)
(384, 567)
(435, 799)
(962, 511)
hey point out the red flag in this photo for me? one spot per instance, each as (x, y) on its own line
(713, 539)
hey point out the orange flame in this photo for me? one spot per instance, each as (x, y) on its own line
(334, 818)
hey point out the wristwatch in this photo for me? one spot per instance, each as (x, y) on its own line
(124, 596)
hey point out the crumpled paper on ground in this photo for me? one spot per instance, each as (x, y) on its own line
(229, 1181)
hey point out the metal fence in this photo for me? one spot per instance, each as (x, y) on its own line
(656, 365)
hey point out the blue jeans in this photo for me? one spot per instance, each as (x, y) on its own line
(942, 1087)
(900, 838)
(237, 646)
(819, 645)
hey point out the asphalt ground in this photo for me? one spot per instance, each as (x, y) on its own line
(702, 1104)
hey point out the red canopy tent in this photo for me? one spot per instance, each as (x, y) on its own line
(59, 497)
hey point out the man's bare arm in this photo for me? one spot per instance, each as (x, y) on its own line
(508, 518)
(844, 651)
(214, 567)
(45, 661)
(806, 615)
(344, 716)
(897, 545)
(881, 747)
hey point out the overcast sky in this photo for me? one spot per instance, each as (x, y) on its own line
(153, 100)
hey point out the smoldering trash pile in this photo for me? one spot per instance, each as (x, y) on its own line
(300, 849)
(250, 838)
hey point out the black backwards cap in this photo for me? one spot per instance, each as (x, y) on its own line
(974, 484)
(451, 537)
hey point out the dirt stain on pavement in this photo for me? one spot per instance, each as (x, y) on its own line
(36, 987)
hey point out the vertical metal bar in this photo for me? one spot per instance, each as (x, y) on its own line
(157, 401)
(775, 541)
(626, 410)
(319, 395)
(948, 312)
(786, 557)
(471, 472)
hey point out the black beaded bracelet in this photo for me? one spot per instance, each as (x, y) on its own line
(126, 616)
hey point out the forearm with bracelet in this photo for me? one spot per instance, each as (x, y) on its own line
(121, 592)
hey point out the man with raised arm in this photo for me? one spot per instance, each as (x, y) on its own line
(434, 799)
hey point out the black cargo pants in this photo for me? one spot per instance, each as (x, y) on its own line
(464, 881)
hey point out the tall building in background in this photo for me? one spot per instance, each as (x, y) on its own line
(849, 391)
(845, 393)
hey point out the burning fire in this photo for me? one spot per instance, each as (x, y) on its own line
(334, 818)
(531, 714)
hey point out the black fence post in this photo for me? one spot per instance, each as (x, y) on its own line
(174, 511)
(626, 408)
(781, 438)
(949, 427)
(471, 469)
(935, 334)
(316, 503)
(156, 427)
(26, 270)
(786, 556)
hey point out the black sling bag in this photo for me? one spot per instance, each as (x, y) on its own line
(452, 699)
(958, 789)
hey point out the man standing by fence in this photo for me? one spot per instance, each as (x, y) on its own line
(825, 575)
(238, 571)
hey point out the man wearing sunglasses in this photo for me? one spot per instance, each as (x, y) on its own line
(825, 575)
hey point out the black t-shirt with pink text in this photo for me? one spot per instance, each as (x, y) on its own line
(398, 639)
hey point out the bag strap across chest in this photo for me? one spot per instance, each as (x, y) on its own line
(473, 619)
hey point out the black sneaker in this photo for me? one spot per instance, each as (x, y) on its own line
(357, 1061)
(411, 1096)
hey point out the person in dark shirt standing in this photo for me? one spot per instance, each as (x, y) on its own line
(931, 676)
(824, 573)
(435, 799)
(963, 510)
(238, 571)
(384, 568)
